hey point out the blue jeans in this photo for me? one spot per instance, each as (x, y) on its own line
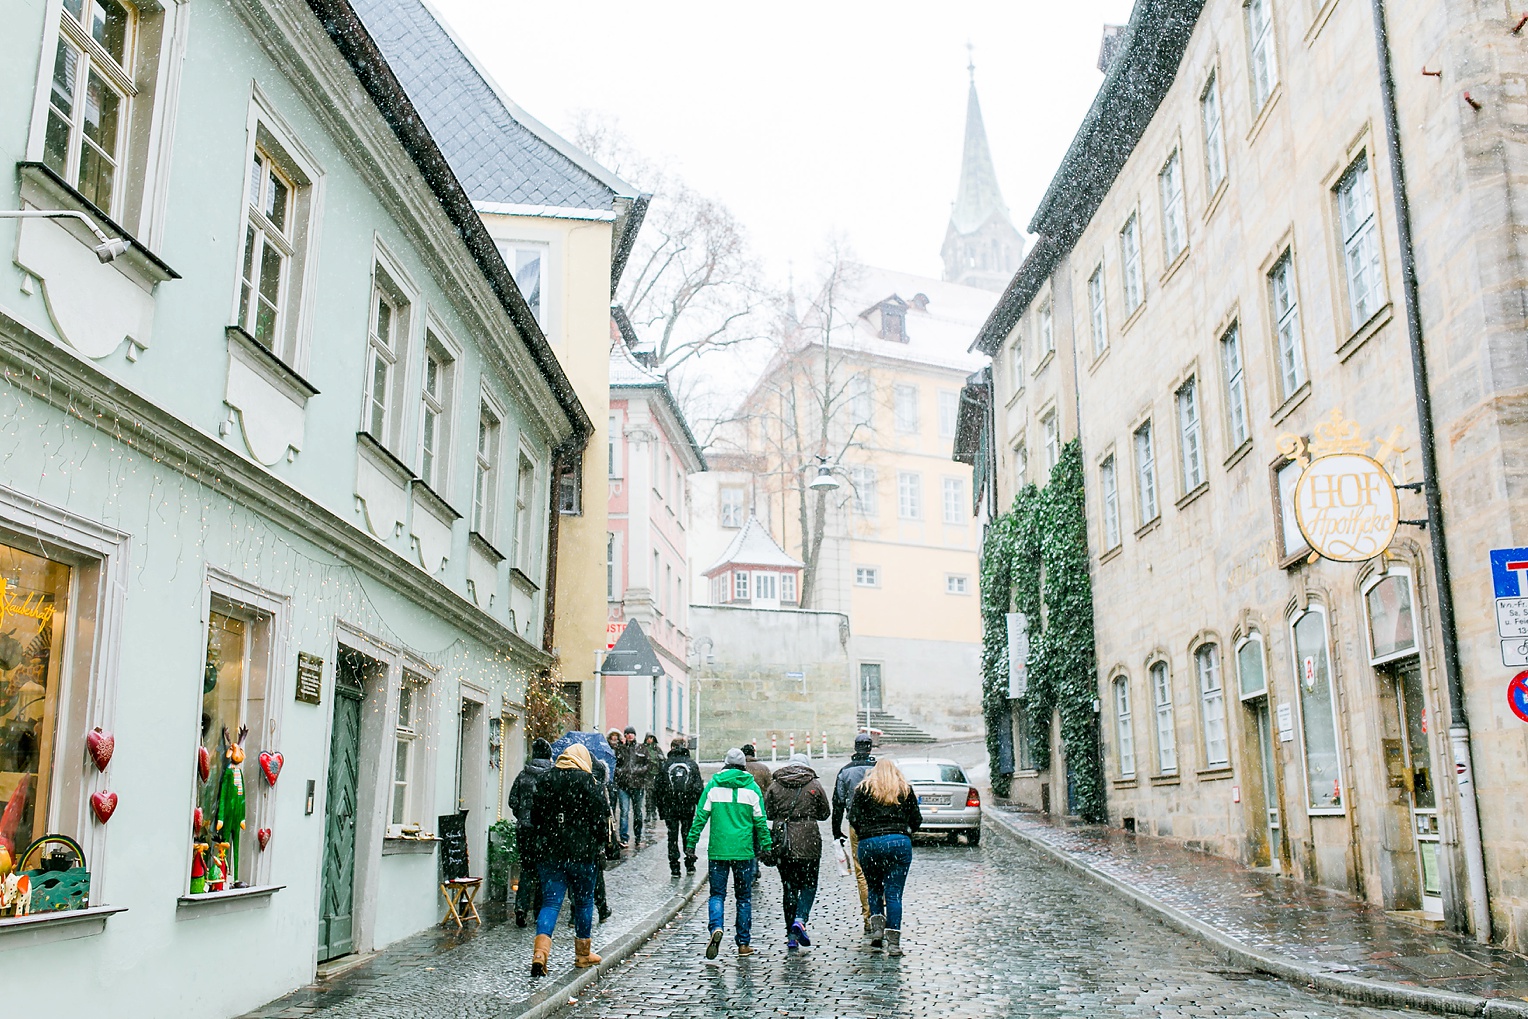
(886, 859)
(557, 879)
(742, 885)
(625, 801)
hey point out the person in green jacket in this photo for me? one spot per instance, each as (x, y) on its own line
(734, 805)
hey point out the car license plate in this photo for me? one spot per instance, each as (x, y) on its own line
(933, 800)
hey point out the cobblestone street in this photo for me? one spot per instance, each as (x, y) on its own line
(989, 931)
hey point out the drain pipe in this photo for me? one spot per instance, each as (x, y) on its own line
(1459, 725)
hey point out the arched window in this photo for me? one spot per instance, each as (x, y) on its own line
(1212, 702)
(1124, 727)
(1318, 711)
(1250, 673)
(1392, 621)
(1162, 701)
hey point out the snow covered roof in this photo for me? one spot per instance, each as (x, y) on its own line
(753, 546)
(626, 372)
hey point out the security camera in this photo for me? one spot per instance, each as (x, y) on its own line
(108, 250)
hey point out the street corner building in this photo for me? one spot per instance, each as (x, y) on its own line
(279, 434)
(1218, 297)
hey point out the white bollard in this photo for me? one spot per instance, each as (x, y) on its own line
(792, 752)
(824, 744)
(774, 746)
(809, 744)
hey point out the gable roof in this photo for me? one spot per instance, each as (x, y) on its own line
(355, 44)
(626, 372)
(753, 546)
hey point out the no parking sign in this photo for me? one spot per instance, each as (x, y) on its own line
(1517, 695)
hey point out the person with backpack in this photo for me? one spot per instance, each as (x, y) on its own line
(652, 755)
(734, 807)
(677, 788)
(795, 802)
(572, 818)
(528, 894)
(849, 778)
(885, 814)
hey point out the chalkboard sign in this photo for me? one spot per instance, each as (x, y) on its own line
(453, 846)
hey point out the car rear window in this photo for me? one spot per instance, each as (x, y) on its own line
(925, 772)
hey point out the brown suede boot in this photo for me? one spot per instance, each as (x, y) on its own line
(583, 954)
(540, 954)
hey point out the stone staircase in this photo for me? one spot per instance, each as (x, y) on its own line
(893, 729)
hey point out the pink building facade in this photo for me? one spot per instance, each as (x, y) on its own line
(652, 455)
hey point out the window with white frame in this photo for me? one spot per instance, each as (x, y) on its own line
(1130, 263)
(730, 499)
(1251, 676)
(949, 411)
(90, 98)
(610, 565)
(788, 587)
(957, 583)
(1262, 63)
(766, 586)
(867, 576)
(1020, 464)
(954, 501)
(525, 531)
(1236, 384)
(1162, 703)
(1016, 361)
(655, 584)
(436, 393)
(485, 480)
(1392, 622)
(861, 406)
(1286, 317)
(1145, 474)
(1051, 430)
(613, 449)
(863, 488)
(409, 806)
(527, 263)
(905, 408)
(269, 245)
(1212, 706)
(1097, 324)
(909, 495)
(1214, 137)
(1318, 711)
(1108, 477)
(1174, 222)
(1046, 327)
(1124, 727)
(387, 341)
(740, 585)
(1190, 439)
(570, 486)
(1360, 242)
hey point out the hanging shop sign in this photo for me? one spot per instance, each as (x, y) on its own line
(1345, 501)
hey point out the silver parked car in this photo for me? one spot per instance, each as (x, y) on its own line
(950, 803)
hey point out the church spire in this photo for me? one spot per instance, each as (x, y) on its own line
(981, 248)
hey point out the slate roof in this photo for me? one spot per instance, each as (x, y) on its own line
(753, 546)
(499, 152)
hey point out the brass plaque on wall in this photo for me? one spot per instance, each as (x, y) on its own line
(310, 678)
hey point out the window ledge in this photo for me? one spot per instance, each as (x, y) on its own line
(409, 847)
(218, 903)
(1098, 359)
(1215, 774)
(1319, 21)
(485, 548)
(434, 502)
(1374, 324)
(1294, 400)
(1238, 454)
(1220, 192)
(58, 925)
(1193, 494)
(1135, 316)
(1042, 364)
(1127, 783)
(1112, 553)
(138, 262)
(1014, 398)
(1172, 779)
(264, 362)
(1265, 113)
(1148, 527)
(519, 576)
(383, 458)
(1174, 265)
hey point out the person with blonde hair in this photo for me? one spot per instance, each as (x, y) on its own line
(884, 814)
(572, 821)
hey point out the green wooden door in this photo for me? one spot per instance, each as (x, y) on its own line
(336, 927)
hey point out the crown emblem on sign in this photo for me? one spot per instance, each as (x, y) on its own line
(1337, 434)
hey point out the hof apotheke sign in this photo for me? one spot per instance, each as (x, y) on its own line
(1346, 507)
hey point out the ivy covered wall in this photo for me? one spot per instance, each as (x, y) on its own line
(1035, 561)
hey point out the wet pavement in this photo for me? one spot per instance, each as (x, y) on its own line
(1275, 916)
(481, 971)
(997, 930)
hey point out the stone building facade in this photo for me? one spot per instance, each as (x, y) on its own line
(1217, 287)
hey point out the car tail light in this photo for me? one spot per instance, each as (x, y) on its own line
(973, 798)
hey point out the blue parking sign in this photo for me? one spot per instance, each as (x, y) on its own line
(1509, 572)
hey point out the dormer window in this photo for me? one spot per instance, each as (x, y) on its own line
(894, 321)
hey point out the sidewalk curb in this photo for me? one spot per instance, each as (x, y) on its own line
(1371, 992)
(554, 997)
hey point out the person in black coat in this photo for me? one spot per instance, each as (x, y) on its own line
(885, 813)
(528, 894)
(572, 820)
(677, 788)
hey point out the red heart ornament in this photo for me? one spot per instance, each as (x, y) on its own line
(264, 835)
(203, 762)
(270, 763)
(197, 819)
(100, 743)
(104, 804)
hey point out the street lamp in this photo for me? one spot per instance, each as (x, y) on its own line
(825, 481)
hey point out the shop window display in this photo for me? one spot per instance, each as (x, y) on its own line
(1323, 773)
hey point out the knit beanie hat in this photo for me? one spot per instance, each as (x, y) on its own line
(540, 749)
(735, 759)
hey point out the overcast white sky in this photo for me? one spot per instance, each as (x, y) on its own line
(811, 116)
